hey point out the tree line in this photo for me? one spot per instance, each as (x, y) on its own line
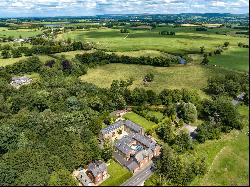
(100, 58)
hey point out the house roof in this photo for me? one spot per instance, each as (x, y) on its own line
(20, 80)
(111, 128)
(122, 145)
(133, 126)
(144, 140)
(97, 167)
(141, 155)
(83, 178)
(132, 166)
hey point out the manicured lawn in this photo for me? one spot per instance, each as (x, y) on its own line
(158, 115)
(234, 58)
(227, 158)
(139, 120)
(118, 174)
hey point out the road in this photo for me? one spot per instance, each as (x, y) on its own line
(139, 178)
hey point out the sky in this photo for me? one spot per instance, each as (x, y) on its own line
(45, 8)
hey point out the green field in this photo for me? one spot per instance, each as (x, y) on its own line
(117, 173)
(227, 158)
(139, 120)
(9, 61)
(187, 40)
(20, 32)
(234, 58)
(189, 76)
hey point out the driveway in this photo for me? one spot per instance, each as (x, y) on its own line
(140, 177)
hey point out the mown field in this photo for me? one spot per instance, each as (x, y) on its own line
(234, 58)
(186, 40)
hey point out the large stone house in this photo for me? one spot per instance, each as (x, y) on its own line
(95, 173)
(133, 149)
(114, 131)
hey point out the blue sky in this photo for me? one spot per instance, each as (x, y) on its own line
(16, 8)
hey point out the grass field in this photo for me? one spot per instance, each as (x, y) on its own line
(20, 32)
(187, 40)
(234, 58)
(10, 61)
(139, 120)
(190, 77)
(117, 173)
(227, 158)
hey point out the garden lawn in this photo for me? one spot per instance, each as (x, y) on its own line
(118, 174)
(139, 120)
(234, 58)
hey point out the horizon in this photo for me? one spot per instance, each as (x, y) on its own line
(132, 14)
(73, 8)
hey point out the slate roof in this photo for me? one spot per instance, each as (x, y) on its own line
(97, 167)
(111, 128)
(141, 155)
(20, 80)
(136, 128)
(133, 126)
(144, 140)
(132, 166)
(83, 178)
(122, 145)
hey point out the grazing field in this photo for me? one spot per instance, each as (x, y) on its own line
(117, 173)
(186, 40)
(227, 158)
(71, 54)
(190, 77)
(151, 53)
(139, 120)
(234, 58)
(20, 32)
(10, 61)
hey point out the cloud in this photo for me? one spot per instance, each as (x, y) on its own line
(93, 7)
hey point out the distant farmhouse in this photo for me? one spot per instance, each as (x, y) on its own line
(19, 81)
(95, 174)
(133, 149)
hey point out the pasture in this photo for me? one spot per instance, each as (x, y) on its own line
(234, 58)
(10, 61)
(227, 158)
(186, 40)
(24, 33)
(182, 76)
